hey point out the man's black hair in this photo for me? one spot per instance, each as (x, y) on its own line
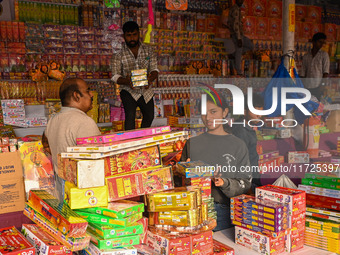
(130, 27)
(319, 36)
(66, 90)
(257, 101)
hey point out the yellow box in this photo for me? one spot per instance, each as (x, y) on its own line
(85, 198)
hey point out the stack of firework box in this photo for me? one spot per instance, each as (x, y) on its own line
(115, 227)
(14, 243)
(272, 222)
(323, 211)
(57, 219)
(179, 224)
(13, 112)
(201, 179)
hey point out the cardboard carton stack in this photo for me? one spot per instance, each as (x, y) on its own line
(323, 210)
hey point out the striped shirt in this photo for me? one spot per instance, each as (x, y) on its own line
(124, 62)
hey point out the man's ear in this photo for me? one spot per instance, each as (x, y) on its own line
(225, 112)
(76, 96)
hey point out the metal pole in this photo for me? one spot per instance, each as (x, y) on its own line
(288, 27)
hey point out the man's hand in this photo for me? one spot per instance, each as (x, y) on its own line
(218, 182)
(239, 43)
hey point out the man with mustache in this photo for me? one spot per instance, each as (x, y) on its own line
(133, 56)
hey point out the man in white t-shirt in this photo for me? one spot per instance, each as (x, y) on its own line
(315, 66)
(70, 123)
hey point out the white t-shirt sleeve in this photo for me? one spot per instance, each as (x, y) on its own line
(303, 69)
(325, 63)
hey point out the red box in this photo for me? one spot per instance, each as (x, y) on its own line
(322, 198)
(316, 28)
(274, 9)
(12, 242)
(203, 183)
(331, 32)
(323, 204)
(211, 24)
(202, 243)
(249, 24)
(140, 183)
(296, 239)
(201, 25)
(306, 30)
(301, 12)
(258, 8)
(245, 9)
(222, 249)
(145, 222)
(262, 26)
(295, 199)
(313, 14)
(275, 29)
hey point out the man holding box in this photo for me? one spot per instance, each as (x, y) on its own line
(70, 123)
(127, 64)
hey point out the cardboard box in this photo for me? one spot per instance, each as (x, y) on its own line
(194, 169)
(306, 30)
(107, 232)
(258, 242)
(298, 157)
(12, 242)
(11, 183)
(139, 183)
(134, 160)
(85, 198)
(44, 243)
(82, 173)
(119, 209)
(202, 243)
(64, 219)
(124, 135)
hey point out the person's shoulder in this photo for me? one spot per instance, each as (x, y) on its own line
(324, 53)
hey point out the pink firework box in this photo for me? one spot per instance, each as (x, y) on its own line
(42, 241)
(295, 199)
(139, 183)
(123, 135)
(274, 9)
(259, 242)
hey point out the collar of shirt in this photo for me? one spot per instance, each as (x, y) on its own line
(68, 109)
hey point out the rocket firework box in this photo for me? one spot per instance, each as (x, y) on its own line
(12, 242)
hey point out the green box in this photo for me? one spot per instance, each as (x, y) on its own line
(323, 224)
(96, 218)
(118, 210)
(321, 183)
(322, 178)
(107, 232)
(114, 242)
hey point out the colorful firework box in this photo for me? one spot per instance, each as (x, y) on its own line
(85, 198)
(203, 183)
(320, 191)
(190, 218)
(322, 178)
(260, 230)
(12, 242)
(119, 209)
(323, 204)
(325, 243)
(143, 249)
(60, 215)
(93, 250)
(130, 161)
(44, 243)
(323, 233)
(321, 183)
(324, 199)
(269, 155)
(100, 219)
(107, 232)
(259, 242)
(222, 249)
(173, 200)
(83, 173)
(194, 169)
(74, 243)
(112, 243)
(124, 135)
(38, 170)
(139, 183)
(324, 212)
(295, 200)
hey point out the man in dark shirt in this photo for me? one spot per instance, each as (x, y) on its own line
(248, 135)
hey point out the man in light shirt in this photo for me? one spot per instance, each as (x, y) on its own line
(315, 66)
(70, 123)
